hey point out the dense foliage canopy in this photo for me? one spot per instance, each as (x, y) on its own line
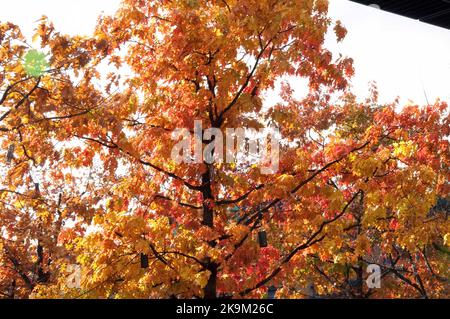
(87, 176)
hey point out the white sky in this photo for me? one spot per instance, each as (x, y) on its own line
(405, 57)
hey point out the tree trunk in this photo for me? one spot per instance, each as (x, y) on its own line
(210, 290)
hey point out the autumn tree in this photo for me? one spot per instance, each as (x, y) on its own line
(89, 177)
(37, 98)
